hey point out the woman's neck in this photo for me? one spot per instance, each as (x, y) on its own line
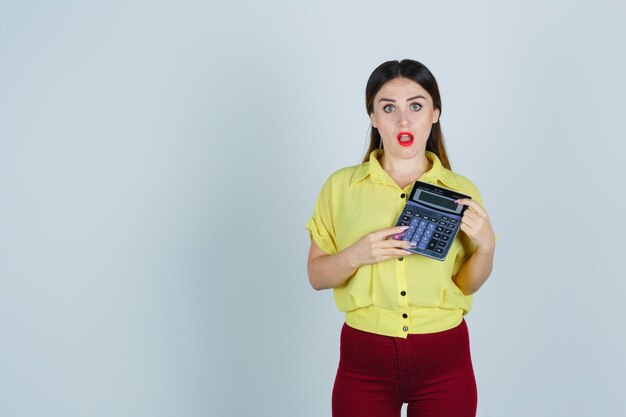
(405, 171)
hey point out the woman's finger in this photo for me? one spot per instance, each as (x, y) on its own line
(394, 253)
(393, 243)
(470, 215)
(390, 231)
(472, 205)
(468, 230)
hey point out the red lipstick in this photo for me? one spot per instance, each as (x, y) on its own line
(405, 138)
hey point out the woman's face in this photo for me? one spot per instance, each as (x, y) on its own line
(404, 115)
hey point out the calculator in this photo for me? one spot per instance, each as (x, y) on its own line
(434, 219)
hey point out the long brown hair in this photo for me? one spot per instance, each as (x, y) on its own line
(417, 72)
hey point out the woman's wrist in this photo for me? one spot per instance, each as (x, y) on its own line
(350, 258)
(486, 250)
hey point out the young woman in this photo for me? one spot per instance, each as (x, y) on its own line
(404, 339)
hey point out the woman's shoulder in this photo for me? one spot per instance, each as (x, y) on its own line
(466, 186)
(345, 176)
(463, 180)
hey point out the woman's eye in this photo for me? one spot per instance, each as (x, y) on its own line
(388, 108)
(416, 106)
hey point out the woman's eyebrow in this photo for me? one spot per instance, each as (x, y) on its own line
(408, 99)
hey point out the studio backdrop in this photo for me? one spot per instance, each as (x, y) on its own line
(159, 161)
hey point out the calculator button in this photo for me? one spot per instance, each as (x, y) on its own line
(414, 222)
(443, 223)
(402, 223)
(452, 220)
(445, 218)
(425, 217)
(442, 243)
(439, 250)
(445, 238)
(437, 235)
(408, 213)
(431, 227)
(439, 229)
(406, 218)
(433, 220)
(425, 239)
(423, 223)
(428, 233)
(447, 231)
(422, 246)
(418, 216)
(432, 244)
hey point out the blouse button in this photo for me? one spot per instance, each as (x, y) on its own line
(403, 293)
(405, 316)
(402, 195)
(400, 258)
(405, 328)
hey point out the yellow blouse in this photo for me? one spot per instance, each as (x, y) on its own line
(410, 294)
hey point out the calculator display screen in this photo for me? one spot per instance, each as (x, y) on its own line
(437, 200)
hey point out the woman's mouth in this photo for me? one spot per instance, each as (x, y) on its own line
(405, 138)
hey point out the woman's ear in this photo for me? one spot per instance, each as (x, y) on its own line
(373, 120)
(436, 114)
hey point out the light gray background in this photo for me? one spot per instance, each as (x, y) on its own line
(159, 160)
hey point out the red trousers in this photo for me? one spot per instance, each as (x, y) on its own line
(433, 373)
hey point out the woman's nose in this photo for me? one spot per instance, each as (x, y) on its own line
(403, 120)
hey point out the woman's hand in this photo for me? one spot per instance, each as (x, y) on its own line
(477, 268)
(476, 224)
(378, 246)
(331, 271)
